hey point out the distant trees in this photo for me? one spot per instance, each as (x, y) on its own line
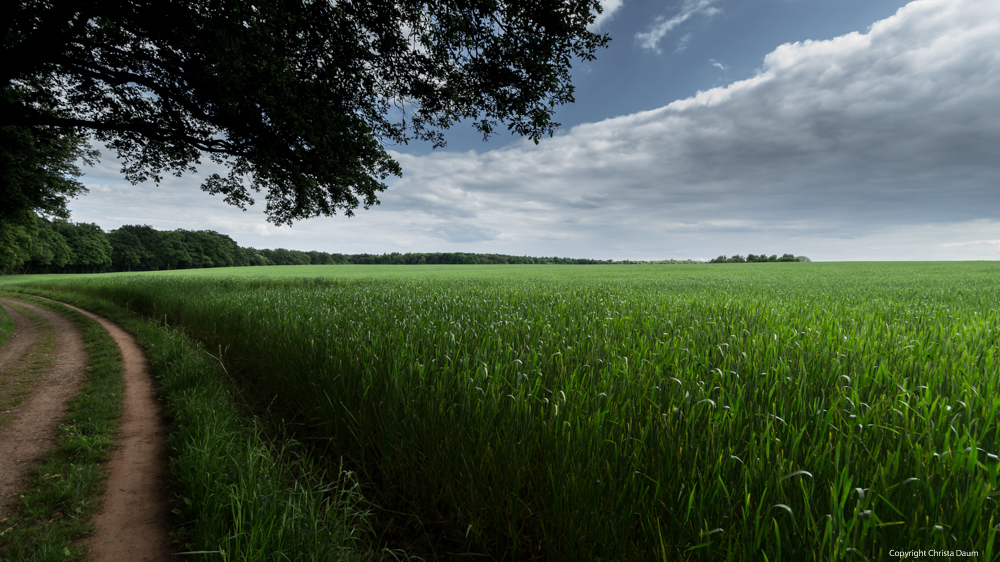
(50, 247)
(762, 258)
(44, 246)
(282, 256)
(127, 251)
(90, 246)
(39, 245)
(208, 248)
(174, 250)
(16, 239)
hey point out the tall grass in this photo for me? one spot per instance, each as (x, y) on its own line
(793, 412)
(238, 494)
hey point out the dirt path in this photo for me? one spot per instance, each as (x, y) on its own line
(134, 523)
(25, 334)
(32, 428)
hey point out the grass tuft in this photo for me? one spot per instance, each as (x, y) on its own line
(6, 326)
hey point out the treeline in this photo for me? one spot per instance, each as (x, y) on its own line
(763, 258)
(60, 246)
(409, 258)
(34, 244)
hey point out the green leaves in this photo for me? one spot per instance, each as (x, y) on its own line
(298, 99)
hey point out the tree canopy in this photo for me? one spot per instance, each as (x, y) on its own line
(297, 98)
(38, 164)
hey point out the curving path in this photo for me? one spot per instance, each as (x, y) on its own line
(32, 428)
(134, 523)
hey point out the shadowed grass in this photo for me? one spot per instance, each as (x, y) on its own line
(237, 493)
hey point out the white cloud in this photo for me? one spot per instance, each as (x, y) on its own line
(838, 138)
(266, 229)
(717, 64)
(970, 243)
(664, 24)
(608, 10)
(876, 145)
(682, 43)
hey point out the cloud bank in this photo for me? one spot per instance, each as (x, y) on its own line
(608, 9)
(876, 145)
(840, 138)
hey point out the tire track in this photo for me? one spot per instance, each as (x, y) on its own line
(32, 429)
(134, 523)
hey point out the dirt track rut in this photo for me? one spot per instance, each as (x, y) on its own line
(32, 429)
(135, 522)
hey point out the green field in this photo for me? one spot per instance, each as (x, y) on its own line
(688, 412)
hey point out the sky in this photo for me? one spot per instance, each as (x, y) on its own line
(842, 130)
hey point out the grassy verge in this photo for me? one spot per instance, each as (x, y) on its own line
(238, 494)
(56, 509)
(6, 326)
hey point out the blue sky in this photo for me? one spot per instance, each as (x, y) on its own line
(717, 42)
(836, 129)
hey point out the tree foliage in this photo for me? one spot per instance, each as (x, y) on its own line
(762, 258)
(297, 98)
(89, 244)
(50, 247)
(16, 239)
(38, 162)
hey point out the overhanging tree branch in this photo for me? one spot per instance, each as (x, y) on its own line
(293, 95)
